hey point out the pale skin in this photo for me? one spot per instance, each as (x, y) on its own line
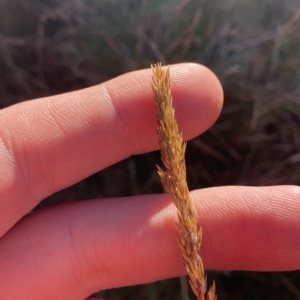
(70, 251)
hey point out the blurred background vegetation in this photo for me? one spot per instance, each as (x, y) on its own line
(50, 46)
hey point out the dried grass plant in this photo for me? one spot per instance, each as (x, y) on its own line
(174, 182)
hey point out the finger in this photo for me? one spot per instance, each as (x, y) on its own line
(76, 249)
(51, 143)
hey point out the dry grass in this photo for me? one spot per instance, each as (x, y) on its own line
(49, 47)
(173, 179)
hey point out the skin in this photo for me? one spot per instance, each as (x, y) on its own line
(70, 251)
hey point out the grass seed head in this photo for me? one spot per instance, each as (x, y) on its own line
(173, 178)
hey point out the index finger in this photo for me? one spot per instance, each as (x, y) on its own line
(51, 143)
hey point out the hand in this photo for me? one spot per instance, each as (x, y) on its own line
(70, 251)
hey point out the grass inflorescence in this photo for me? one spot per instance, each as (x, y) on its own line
(174, 181)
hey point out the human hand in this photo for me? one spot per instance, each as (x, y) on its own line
(70, 251)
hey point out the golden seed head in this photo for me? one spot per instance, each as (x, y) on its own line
(173, 178)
